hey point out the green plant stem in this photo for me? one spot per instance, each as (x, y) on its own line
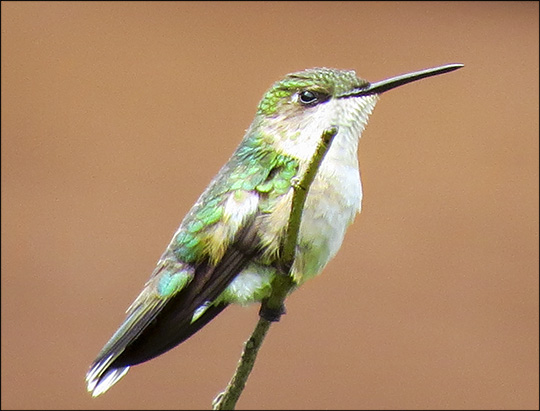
(281, 284)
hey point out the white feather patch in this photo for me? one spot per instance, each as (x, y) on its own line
(238, 206)
(98, 384)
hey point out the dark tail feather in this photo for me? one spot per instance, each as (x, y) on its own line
(156, 325)
(139, 351)
(107, 370)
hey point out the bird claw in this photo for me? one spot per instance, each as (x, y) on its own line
(272, 314)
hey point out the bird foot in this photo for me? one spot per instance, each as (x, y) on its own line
(272, 314)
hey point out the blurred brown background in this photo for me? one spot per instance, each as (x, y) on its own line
(115, 116)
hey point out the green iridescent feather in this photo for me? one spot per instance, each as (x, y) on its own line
(255, 166)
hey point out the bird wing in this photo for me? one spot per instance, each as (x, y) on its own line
(216, 240)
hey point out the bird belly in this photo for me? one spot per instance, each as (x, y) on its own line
(333, 201)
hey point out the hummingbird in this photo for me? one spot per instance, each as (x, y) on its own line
(227, 248)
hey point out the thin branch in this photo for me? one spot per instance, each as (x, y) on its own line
(272, 307)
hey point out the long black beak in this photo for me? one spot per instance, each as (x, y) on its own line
(388, 84)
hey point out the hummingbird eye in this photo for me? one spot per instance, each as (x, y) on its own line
(310, 98)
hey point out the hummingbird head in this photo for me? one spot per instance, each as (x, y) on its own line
(298, 108)
(304, 89)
